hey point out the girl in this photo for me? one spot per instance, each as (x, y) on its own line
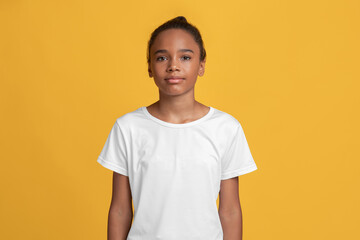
(174, 157)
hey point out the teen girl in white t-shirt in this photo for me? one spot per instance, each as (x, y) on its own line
(175, 156)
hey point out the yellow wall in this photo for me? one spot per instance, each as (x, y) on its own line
(287, 70)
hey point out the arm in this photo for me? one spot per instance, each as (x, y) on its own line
(230, 209)
(120, 212)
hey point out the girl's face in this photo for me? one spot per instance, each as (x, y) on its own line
(175, 62)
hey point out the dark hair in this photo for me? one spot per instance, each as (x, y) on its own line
(179, 22)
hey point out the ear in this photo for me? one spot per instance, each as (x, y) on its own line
(202, 68)
(149, 71)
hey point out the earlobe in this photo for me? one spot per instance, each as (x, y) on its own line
(202, 69)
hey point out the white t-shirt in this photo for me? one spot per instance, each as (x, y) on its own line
(175, 171)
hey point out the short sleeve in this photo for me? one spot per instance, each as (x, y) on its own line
(237, 160)
(113, 155)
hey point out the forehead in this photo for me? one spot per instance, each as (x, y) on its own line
(174, 39)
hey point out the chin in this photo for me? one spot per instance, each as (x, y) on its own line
(176, 92)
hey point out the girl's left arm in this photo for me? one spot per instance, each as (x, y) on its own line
(230, 209)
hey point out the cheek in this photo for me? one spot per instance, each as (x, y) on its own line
(194, 70)
(158, 69)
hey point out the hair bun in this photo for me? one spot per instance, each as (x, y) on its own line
(181, 18)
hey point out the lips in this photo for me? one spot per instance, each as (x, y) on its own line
(174, 79)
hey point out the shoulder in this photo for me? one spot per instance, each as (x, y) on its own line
(226, 119)
(127, 120)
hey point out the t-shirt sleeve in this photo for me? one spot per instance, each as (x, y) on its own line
(113, 155)
(237, 159)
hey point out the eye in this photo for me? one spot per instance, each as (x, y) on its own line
(187, 57)
(160, 58)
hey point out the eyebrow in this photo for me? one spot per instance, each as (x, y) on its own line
(181, 50)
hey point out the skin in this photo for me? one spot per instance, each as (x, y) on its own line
(120, 212)
(176, 104)
(230, 209)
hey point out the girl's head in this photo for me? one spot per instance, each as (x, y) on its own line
(176, 56)
(179, 22)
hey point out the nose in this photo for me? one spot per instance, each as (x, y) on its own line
(173, 66)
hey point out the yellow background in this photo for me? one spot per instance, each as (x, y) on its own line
(287, 70)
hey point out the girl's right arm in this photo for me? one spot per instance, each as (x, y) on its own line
(120, 212)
